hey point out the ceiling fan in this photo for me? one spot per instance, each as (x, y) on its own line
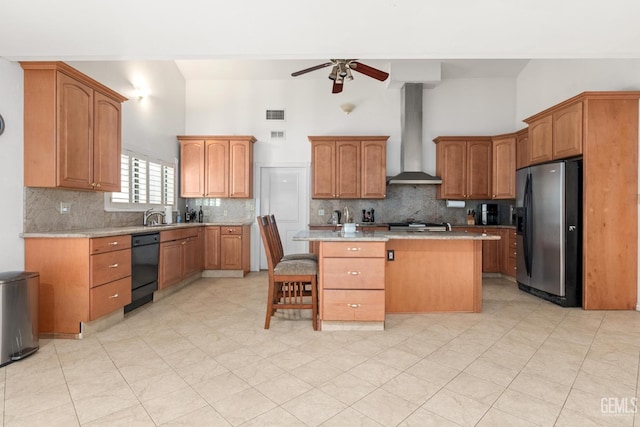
(341, 71)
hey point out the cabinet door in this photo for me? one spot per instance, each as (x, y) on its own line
(190, 256)
(348, 169)
(240, 169)
(452, 167)
(231, 252)
(75, 134)
(170, 268)
(540, 140)
(200, 240)
(567, 131)
(522, 149)
(216, 168)
(478, 170)
(191, 168)
(374, 170)
(491, 253)
(106, 143)
(323, 166)
(504, 168)
(212, 248)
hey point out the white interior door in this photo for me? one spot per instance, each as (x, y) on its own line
(284, 193)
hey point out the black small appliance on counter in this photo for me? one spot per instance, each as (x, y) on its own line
(487, 214)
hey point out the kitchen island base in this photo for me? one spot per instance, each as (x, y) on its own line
(335, 325)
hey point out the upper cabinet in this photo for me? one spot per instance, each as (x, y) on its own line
(556, 134)
(72, 129)
(522, 148)
(464, 164)
(503, 179)
(348, 167)
(216, 166)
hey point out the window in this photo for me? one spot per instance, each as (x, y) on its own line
(145, 183)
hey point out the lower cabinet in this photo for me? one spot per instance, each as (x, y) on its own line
(81, 279)
(179, 256)
(352, 281)
(228, 247)
(498, 256)
(508, 241)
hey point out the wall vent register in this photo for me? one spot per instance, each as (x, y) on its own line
(275, 115)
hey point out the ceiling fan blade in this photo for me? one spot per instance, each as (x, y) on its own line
(369, 71)
(337, 87)
(314, 68)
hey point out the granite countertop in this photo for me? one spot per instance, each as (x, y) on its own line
(383, 236)
(485, 226)
(132, 229)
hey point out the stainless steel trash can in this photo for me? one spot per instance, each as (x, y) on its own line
(19, 315)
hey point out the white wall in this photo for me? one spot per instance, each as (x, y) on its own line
(11, 165)
(455, 107)
(544, 83)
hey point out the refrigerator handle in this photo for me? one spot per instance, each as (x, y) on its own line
(526, 233)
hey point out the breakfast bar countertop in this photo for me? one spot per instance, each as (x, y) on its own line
(384, 236)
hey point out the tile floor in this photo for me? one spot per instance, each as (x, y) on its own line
(201, 358)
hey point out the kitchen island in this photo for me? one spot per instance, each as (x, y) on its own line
(363, 275)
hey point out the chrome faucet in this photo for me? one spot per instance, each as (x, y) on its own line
(148, 214)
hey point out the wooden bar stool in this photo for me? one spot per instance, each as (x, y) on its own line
(289, 281)
(271, 220)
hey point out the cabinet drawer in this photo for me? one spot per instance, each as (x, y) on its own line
(353, 273)
(106, 298)
(230, 229)
(511, 266)
(178, 234)
(108, 244)
(110, 266)
(350, 305)
(353, 249)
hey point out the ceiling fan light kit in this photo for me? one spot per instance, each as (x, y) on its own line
(341, 71)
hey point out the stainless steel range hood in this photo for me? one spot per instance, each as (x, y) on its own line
(411, 139)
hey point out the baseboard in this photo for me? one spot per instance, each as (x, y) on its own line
(223, 273)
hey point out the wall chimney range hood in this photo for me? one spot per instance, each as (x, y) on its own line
(411, 139)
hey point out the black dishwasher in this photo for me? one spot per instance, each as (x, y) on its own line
(144, 268)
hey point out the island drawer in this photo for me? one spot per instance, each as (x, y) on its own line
(106, 298)
(353, 273)
(108, 244)
(109, 266)
(353, 249)
(353, 305)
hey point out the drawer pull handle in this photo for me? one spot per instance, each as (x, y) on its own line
(353, 273)
(114, 296)
(184, 242)
(353, 249)
(113, 243)
(354, 305)
(113, 265)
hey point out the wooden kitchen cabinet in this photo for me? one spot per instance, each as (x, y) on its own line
(179, 257)
(348, 167)
(72, 129)
(556, 134)
(216, 166)
(352, 281)
(492, 250)
(464, 164)
(81, 279)
(235, 248)
(212, 248)
(522, 148)
(509, 251)
(503, 162)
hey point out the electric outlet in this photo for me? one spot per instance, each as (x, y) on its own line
(65, 207)
(224, 213)
(391, 255)
(320, 212)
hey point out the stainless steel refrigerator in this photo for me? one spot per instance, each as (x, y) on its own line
(549, 231)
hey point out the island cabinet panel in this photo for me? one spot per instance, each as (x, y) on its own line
(72, 129)
(351, 281)
(434, 276)
(348, 167)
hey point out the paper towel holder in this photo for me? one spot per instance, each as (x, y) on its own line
(455, 203)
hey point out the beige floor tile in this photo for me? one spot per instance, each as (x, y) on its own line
(200, 372)
(481, 390)
(423, 417)
(220, 386)
(290, 359)
(603, 385)
(257, 373)
(316, 372)
(283, 388)
(132, 416)
(569, 418)
(496, 418)
(150, 388)
(598, 408)
(62, 416)
(37, 400)
(275, 417)
(540, 388)
(106, 402)
(397, 358)
(344, 359)
(491, 371)
(243, 406)
(528, 408)
(374, 372)
(237, 358)
(433, 372)
(314, 407)
(174, 405)
(385, 407)
(451, 358)
(350, 417)
(411, 388)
